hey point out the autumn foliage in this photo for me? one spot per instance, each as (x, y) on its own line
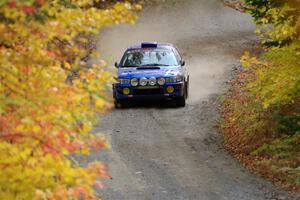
(261, 112)
(49, 96)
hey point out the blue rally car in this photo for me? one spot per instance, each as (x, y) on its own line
(151, 70)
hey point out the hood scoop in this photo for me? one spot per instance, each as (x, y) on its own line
(149, 67)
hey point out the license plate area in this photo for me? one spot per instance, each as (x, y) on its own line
(148, 90)
(147, 87)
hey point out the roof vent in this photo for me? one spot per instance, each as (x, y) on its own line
(149, 45)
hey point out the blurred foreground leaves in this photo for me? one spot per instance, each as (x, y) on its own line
(49, 97)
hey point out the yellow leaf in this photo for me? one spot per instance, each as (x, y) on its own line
(266, 105)
(87, 127)
(99, 103)
(36, 128)
(85, 151)
(67, 65)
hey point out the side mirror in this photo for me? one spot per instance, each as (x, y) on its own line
(116, 64)
(182, 62)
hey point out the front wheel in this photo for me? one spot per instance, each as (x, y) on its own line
(121, 104)
(180, 101)
(186, 89)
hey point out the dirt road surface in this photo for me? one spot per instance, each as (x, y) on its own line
(165, 153)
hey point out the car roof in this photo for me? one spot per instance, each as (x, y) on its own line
(154, 45)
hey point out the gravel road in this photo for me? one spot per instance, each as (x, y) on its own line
(161, 152)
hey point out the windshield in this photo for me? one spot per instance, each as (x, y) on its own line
(149, 57)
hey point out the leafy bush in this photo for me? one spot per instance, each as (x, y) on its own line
(262, 109)
(278, 20)
(277, 74)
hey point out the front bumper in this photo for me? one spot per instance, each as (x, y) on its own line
(145, 92)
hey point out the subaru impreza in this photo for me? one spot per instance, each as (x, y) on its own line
(151, 70)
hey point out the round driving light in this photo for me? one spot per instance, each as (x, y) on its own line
(134, 82)
(126, 91)
(170, 89)
(152, 81)
(143, 81)
(161, 81)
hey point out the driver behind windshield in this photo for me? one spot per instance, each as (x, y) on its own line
(136, 58)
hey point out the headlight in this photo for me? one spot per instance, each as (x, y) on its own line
(152, 81)
(123, 81)
(175, 79)
(161, 81)
(134, 82)
(143, 81)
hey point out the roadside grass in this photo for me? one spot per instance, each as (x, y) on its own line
(261, 110)
(253, 136)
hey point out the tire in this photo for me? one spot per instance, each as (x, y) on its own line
(117, 104)
(180, 101)
(187, 89)
(121, 104)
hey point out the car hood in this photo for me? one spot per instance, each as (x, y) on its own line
(147, 72)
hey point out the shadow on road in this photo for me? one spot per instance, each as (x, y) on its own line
(159, 104)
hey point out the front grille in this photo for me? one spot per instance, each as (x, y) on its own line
(153, 91)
